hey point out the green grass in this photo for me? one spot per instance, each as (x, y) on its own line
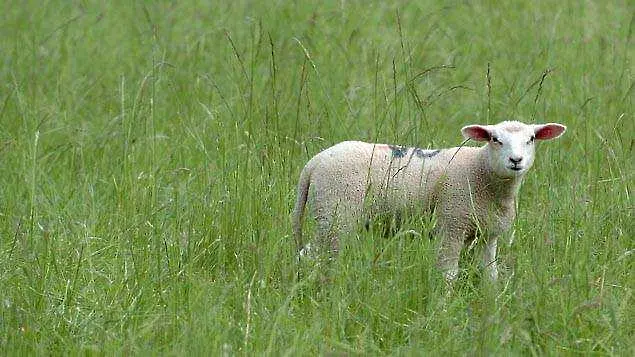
(149, 153)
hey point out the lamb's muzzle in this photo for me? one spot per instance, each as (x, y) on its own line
(465, 187)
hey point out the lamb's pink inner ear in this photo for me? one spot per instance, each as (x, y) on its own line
(476, 132)
(549, 131)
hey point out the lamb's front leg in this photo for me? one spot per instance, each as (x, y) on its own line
(489, 257)
(449, 253)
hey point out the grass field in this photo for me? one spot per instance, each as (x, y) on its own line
(149, 153)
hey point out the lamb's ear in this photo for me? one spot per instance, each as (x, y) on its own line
(476, 132)
(549, 131)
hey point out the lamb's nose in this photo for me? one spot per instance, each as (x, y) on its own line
(516, 160)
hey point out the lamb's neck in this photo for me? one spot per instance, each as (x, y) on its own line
(502, 188)
(505, 188)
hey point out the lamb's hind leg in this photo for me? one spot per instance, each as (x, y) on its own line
(336, 214)
(330, 229)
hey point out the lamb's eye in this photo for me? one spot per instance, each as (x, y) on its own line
(496, 141)
(531, 140)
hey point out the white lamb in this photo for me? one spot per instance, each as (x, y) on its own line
(469, 189)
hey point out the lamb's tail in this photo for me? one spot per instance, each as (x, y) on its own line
(298, 212)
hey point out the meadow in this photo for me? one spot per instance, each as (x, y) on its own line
(149, 153)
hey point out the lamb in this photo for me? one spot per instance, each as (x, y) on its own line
(470, 190)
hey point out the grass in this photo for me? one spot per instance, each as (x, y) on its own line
(150, 152)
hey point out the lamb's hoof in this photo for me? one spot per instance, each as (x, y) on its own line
(306, 254)
(306, 251)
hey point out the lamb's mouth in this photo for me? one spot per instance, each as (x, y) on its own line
(516, 168)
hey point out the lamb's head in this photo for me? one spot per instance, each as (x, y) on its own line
(511, 144)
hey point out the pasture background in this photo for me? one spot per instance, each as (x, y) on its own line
(149, 153)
